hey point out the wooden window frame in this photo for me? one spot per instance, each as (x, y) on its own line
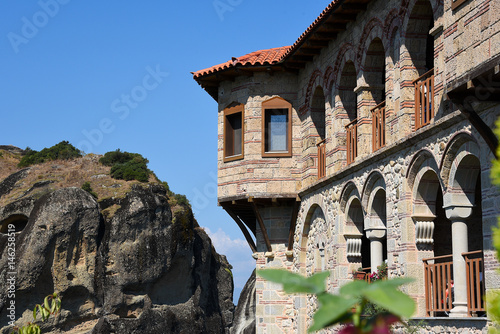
(277, 103)
(228, 112)
(456, 4)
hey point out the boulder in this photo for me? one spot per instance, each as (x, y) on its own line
(138, 270)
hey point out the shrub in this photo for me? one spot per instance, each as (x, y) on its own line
(62, 151)
(126, 166)
(86, 186)
(181, 199)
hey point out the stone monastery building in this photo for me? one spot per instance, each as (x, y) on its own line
(369, 140)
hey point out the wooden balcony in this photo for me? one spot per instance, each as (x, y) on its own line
(363, 274)
(321, 159)
(439, 283)
(378, 126)
(352, 141)
(424, 98)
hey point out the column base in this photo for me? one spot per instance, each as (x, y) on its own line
(459, 311)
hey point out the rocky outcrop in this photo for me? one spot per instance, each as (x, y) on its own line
(139, 270)
(244, 316)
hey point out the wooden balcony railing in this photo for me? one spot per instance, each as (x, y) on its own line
(378, 126)
(439, 283)
(363, 274)
(352, 140)
(321, 159)
(475, 281)
(424, 98)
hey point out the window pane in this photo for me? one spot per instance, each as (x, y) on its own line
(276, 127)
(233, 134)
(236, 127)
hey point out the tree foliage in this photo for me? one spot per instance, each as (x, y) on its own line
(62, 151)
(126, 166)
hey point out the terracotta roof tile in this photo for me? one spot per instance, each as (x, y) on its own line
(261, 57)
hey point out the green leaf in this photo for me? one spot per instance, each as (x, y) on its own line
(295, 283)
(333, 309)
(46, 303)
(354, 288)
(390, 298)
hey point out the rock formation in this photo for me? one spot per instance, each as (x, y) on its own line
(133, 269)
(244, 315)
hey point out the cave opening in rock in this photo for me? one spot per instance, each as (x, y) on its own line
(18, 221)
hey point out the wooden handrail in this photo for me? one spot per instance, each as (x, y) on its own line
(437, 257)
(321, 142)
(380, 105)
(472, 253)
(431, 71)
(351, 123)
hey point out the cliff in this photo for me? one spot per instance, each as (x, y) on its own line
(131, 261)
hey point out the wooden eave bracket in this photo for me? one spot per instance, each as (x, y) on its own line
(261, 224)
(242, 227)
(484, 86)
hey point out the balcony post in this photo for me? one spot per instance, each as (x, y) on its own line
(376, 236)
(458, 214)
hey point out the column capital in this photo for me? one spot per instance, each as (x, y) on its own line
(458, 212)
(374, 233)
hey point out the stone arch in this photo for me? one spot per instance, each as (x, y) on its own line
(315, 215)
(318, 114)
(375, 204)
(451, 150)
(421, 159)
(346, 53)
(315, 80)
(347, 96)
(13, 223)
(419, 43)
(374, 71)
(373, 29)
(374, 180)
(463, 175)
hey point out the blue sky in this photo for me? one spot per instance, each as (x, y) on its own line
(116, 74)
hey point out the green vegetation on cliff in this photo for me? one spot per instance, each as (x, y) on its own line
(62, 151)
(126, 166)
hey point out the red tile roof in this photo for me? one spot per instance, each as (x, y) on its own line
(261, 57)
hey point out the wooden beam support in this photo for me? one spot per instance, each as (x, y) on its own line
(243, 229)
(314, 43)
(309, 51)
(344, 17)
(262, 226)
(295, 213)
(337, 27)
(477, 122)
(358, 7)
(324, 35)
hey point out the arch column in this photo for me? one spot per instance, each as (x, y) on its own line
(458, 214)
(376, 236)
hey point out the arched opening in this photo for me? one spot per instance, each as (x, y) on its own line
(420, 45)
(378, 226)
(349, 103)
(318, 113)
(319, 129)
(419, 42)
(358, 246)
(14, 223)
(374, 70)
(346, 90)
